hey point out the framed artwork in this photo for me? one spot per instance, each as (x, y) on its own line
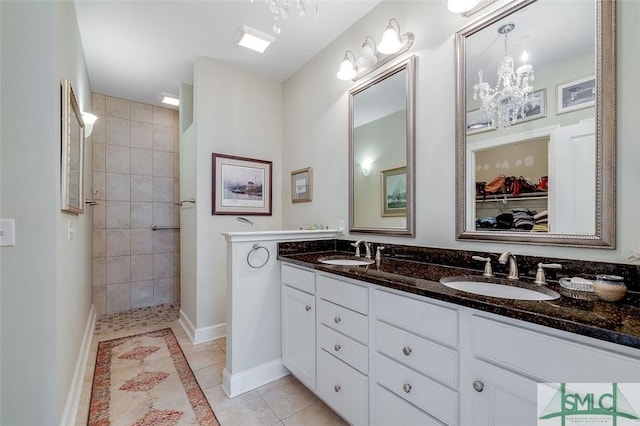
(478, 122)
(72, 164)
(576, 95)
(301, 185)
(536, 107)
(241, 185)
(394, 192)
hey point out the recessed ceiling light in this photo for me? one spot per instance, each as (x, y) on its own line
(170, 100)
(253, 39)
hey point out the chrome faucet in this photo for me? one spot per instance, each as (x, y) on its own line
(513, 265)
(367, 247)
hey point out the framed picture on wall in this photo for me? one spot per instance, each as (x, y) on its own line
(576, 95)
(394, 192)
(536, 107)
(72, 164)
(301, 185)
(478, 122)
(241, 185)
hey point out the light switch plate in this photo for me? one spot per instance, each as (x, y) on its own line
(7, 232)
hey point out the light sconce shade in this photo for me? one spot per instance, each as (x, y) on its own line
(367, 57)
(347, 66)
(89, 119)
(253, 39)
(390, 42)
(366, 166)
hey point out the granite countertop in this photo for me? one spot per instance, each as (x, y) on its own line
(575, 312)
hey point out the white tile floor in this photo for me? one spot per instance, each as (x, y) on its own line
(282, 402)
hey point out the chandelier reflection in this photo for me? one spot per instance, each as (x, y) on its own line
(510, 99)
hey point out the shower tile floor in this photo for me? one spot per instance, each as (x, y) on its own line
(283, 402)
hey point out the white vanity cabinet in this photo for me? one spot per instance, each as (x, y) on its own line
(416, 360)
(509, 360)
(343, 352)
(299, 323)
(384, 357)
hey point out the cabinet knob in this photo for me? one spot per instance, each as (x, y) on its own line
(337, 319)
(307, 308)
(406, 387)
(478, 386)
(337, 347)
(337, 388)
(406, 350)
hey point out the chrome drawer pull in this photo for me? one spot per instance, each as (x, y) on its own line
(337, 388)
(337, 319)
(406, 387)
(307, 308)
(337, 347)
(478, 386)
(406, 350)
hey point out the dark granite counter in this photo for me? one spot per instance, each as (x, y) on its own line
(575, 312)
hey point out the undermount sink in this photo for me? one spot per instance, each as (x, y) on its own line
(500, 288)
(345, 260)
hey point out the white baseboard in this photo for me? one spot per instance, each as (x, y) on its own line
(203, 334)
(234, 385)
(70, 412)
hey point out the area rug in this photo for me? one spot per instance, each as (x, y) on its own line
(145, 380)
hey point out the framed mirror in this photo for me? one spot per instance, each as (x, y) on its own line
(535, 157)
(381, 152)
(71, 173)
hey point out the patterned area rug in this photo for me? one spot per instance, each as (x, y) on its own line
(145, 380)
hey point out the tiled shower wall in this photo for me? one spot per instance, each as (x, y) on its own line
(135, 181)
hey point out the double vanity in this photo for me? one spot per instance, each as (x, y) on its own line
(387, 343)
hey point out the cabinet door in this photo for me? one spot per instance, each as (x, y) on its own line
(501, 397)
(299, 335)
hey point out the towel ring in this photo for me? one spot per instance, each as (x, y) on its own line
(257, 247)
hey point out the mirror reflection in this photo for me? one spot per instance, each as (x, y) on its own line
(381, 148)
(533, 160)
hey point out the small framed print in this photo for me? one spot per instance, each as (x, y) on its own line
(301, 185)
(241, 185)
(536, 107)
(394, 192)
(478, 122)
(576, 95)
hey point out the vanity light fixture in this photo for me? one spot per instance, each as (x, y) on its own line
(371, 56)
(347, 66)
(89, 119)
(281, 10)
(366, 166)
(253, 39)
(508, 100)
(170, 99)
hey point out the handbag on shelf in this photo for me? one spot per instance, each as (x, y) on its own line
(496, 185)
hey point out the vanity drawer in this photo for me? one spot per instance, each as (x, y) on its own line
(437, 400)
(298, 278)
(343, 388)
(348, 350)
(345, 294)
(422, 318)
(344, 320)
(553, 359)
(424, 356)
(390, 409)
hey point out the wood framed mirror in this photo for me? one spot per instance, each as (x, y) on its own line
(381, 152)
(562, 142)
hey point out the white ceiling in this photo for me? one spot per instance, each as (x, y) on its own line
(137, 49)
